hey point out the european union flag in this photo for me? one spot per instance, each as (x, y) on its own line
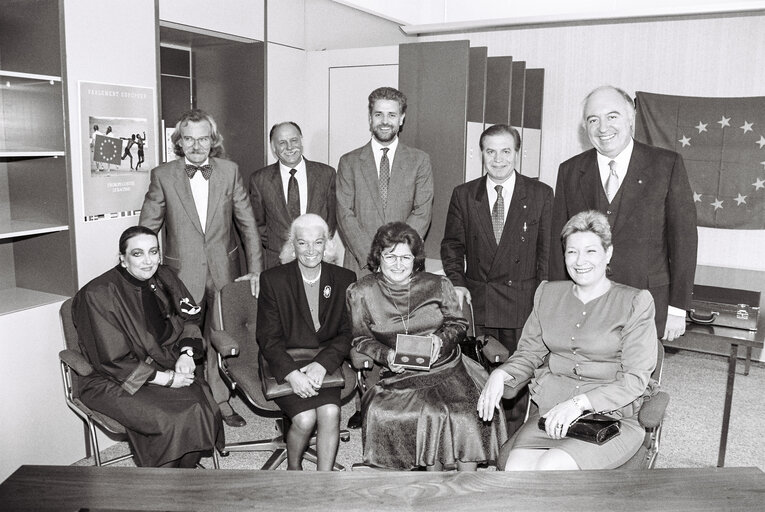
(107, 150)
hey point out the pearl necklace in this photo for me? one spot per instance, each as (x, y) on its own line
(311, 282)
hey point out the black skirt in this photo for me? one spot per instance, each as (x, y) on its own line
(417, 418)
(163, 424)
(292, 405)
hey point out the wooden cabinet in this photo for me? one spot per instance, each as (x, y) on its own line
(36, 241)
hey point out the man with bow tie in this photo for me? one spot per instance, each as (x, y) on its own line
(198, 199)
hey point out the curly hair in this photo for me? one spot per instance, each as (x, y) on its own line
(391, 234)
(197, 116)
(306, 220)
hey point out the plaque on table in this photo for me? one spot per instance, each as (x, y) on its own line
(413, 352)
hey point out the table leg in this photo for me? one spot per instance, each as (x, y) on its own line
(728, 402)
(748, 363)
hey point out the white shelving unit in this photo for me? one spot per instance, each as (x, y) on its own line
(36, 246)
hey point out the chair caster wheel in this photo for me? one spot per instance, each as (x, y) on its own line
(224, 453)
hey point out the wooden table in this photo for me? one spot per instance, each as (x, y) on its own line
(74, 488)
(712, 339)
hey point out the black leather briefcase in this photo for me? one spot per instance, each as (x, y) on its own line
(726, 307)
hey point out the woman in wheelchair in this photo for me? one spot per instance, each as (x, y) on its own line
(415, 418)
(139, 328)
(301, 305)
(588, 346)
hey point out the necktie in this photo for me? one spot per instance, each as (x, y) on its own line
(206, 170)
(293, 196)
(384, 177)
(498, 214)
(612, 183)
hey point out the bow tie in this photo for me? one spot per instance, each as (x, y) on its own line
(206, 170)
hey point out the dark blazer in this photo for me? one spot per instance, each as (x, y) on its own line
(359, 207)
(284, 319)
(270, 206)
(654, 234)
(501, 278)
(169, 204)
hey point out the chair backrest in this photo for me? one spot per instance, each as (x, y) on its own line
(71, 342)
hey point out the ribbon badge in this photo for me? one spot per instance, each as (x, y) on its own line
(327, 291)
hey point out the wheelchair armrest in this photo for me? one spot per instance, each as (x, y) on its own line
(494, 351)
(76, 362)
(360, 361)
(224, 343)
(653, 409)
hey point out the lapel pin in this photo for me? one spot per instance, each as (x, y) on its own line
(327, 291)
(640, 182)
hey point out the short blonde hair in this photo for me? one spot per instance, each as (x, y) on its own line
(590, 221)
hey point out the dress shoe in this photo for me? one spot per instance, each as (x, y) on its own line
(354, 421)
(234, 420)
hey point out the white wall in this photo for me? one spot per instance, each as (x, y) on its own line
(695, 57)
(243, 18)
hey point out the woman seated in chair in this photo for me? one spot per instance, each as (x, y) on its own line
(414, 418)
(588, 346)
(138, 327)
(302, 305)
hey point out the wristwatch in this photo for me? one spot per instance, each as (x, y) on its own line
(188, 351)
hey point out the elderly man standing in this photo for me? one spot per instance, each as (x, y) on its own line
(496, 245)
(645, 194)
(199, 199)
(293, 186)
(382, 181)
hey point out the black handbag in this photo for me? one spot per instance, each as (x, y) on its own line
(593, 428)
(272, 389)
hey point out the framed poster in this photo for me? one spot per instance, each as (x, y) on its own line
(118, 125)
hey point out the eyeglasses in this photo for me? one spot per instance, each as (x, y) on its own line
(391, 259)
(190, 141)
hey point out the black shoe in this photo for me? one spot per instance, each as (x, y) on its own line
(354, 421)
(234, 420)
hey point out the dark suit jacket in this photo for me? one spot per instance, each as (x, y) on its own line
(654, 235)
(501, 278)
(270, 206)
(284, 319)
(169, 204)
(359, 207)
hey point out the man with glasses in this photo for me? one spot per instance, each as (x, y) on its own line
(496, 245)
(198, 199)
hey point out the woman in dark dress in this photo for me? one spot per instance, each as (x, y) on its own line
(415, 418)
(588, 346)
(138, 327)
(302, 305)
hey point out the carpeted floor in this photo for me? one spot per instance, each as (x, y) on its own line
(695, 382)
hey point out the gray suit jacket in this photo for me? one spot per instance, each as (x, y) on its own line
(270, 206)
(169, 203)
(359, 208)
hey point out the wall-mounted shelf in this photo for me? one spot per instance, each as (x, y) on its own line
(36, 240)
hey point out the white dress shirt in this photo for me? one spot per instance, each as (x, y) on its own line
(622, 164)
(302, 180)
(377, 153)
(200, 189)
(507, 192)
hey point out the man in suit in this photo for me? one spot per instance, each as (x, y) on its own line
(645, 193)
(382, 181)
(198, 199)
(496, 245)
(278, 195)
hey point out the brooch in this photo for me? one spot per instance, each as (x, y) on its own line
(327, 291)
(189, 307)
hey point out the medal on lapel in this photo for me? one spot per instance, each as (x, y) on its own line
(327, 291)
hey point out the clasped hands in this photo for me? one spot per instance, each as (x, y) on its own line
(307, 381)
(435, 351)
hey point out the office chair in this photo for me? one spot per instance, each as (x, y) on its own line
(234, 337)
(75, 365)
(650, 417)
